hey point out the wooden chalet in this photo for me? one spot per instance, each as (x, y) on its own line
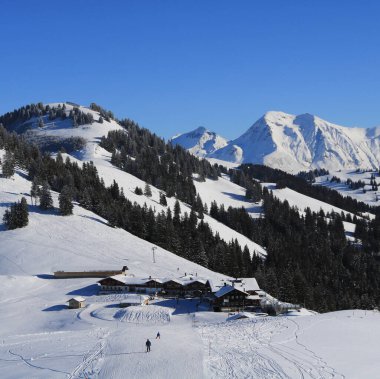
(77, 302)
(184, 286)
(230, 298)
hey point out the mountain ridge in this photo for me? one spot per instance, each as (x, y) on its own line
(296, 143)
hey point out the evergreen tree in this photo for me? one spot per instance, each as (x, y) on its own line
(46, 200)
(147, 190)
(9, 165)
(138, 191)
(17, 216)
(65, 201)
(163, 199)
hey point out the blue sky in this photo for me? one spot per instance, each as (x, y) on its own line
(175, 65)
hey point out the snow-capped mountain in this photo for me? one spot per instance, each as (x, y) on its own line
(200, 141)
(294, 143)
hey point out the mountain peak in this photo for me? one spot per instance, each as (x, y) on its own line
(200, 141)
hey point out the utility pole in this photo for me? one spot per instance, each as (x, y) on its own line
(153, 253)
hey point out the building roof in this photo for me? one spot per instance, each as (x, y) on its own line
(77, 298)
(226, 289)
(248, 284)
(131, 280)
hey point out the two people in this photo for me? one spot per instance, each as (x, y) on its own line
(148, 344)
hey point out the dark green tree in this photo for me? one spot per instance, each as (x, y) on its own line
(46, 200)
(66, 201)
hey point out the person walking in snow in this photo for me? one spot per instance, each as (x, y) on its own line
(148, 344)
(158, 336)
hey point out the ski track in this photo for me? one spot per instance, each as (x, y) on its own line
(246, 349)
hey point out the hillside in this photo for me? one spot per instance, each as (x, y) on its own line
(42, 338)
(62, 130)
(303, 142)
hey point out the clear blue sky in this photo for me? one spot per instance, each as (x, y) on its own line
(175, 65)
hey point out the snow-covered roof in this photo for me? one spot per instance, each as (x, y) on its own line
(247, 284)
(77, 298)
(226, 289)
(131, 280)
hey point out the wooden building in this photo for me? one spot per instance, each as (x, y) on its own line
(77, 302)
(183, 286)
(230, 298)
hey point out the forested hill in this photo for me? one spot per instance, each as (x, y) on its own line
(308, 256)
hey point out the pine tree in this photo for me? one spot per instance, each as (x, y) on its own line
(46, 201)
(17, 216)
(41, 123)
(163, 199)
(147, 190)
(9, 165)
(138, 191)
(65, 201)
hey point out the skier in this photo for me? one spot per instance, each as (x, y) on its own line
(147, 344)
(158, 336)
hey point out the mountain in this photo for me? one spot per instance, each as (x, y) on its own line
(296, 143)
(200, 142)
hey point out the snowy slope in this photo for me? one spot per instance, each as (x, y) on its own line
(101, 158)
(333, 345)
(294, 143)
(223, 191)
(200, 141)
(369, 196)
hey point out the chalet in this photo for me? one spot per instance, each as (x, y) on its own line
(230, 298)
(250, 286)
(77, 302)
(192, 286)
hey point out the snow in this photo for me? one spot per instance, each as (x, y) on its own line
(332, 345)
(223, 191)
(78, 298)
(200, 141)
